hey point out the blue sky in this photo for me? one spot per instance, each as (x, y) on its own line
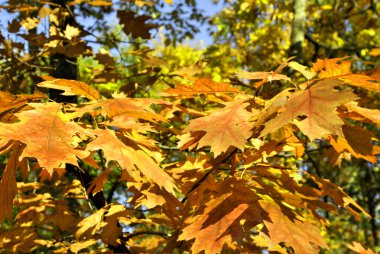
(207, 6)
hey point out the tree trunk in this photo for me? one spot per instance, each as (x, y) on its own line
(298, 29)
(64, 67)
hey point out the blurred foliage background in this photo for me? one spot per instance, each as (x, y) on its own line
(150, 44)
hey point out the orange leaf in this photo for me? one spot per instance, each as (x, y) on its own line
(9, 101)
(134, 161)
(266, 76)
(300, 235)
(215, 234)
(318, 104)
(370, 114)
(203, 86)
(134, 108)
(97, 184)
(224, 127)
(358, 248)
(8, 186)
(47, 134)
(71, 87)
(330, 68)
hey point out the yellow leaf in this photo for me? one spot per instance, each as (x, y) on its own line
(100, 3)
(71, 32)
(30, 23)
(77, 246)
(71, 87)
(309, 74)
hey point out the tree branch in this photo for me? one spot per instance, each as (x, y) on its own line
(216, 162)
(86, 179)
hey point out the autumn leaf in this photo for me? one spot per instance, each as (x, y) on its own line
(106, 220)
(134, 161)
(339, 196)
(370, 114)
(97, 185)
(317, 104)
(266, 76)
(224, 211)
(358, 248)
(8, 186)
(309, 74)
(202, 86)
(99, 3)
(331, 68)
(135, 25)
(128, 107)
(77, 246)
(71, 32)
(356, 141)
(90, 225)
(9, 101)
(49, 139)
(111, 229)
(30, 23)
(223, 128)
(328, 68)
(71, 87)
(300, 235)
(215, 234)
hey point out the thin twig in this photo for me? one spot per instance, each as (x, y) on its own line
(145, 233)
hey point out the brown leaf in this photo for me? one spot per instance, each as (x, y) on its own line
(135, 25)
(339, 196)
(356, 141)
(14, 26)
(224, 211)
(71, 87)
(318, 104)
